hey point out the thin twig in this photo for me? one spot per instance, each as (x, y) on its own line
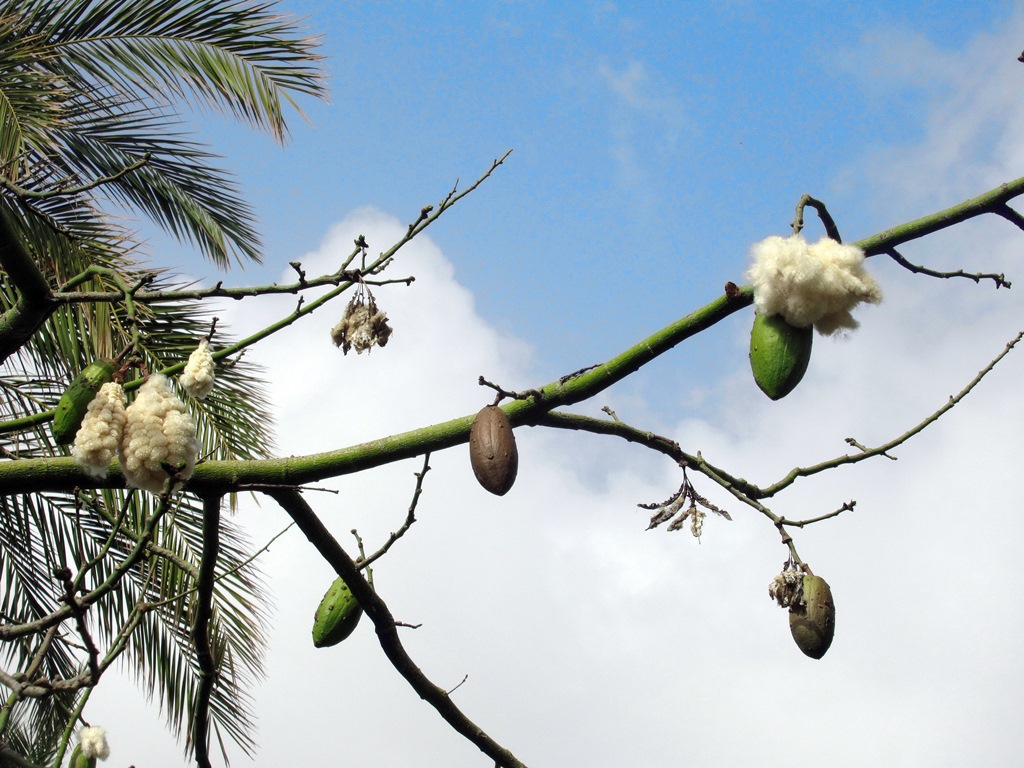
(384, 622)
(999, 280)
(826, 218)
(798, 472)
(847, 507)
(410, 518)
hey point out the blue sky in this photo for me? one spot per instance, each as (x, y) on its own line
(653, 144)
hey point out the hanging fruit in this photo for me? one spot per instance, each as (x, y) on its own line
(492, 450)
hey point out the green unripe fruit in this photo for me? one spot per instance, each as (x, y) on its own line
(779, 354)
(336, 616)
(492, 450)
(79, 760)
(813, 624)
(76, 398)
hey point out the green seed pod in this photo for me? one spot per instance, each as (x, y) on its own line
(79, 760)
(76, 398)
(336, 616)
(813, 624)
(492, 450)
(779, 354)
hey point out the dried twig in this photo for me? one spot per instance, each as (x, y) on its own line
(384, 622)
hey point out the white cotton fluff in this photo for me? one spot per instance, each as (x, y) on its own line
(197, 378)
(815, 284)
(93, 740)
(158, 430)
(99, 436)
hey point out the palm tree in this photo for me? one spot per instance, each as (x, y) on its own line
(91, 132)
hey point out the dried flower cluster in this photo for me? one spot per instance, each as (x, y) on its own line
(93, 741)
(787, 589)
(673, 508)
(362, 327)
(158, 431)
(815, 284)
(99, 436)
(697, 521)
(197, 378)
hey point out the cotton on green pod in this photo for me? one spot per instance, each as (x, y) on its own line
(336, 616)
(79, 760)
(813, 623)
(76, 398)
(779, 354)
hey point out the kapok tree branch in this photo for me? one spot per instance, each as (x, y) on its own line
(35, 303)
(62, 474)
(993, 201)
(200, 735)
(377, 611)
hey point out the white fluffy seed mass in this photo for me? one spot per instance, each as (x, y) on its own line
(99, 437)
(94, 742)
(815, 284)
(197, 378)
(158, 431)
(787, 588)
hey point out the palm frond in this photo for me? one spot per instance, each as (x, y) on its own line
(89, 93)
(163, 650)
(89, 87)
(237, 56)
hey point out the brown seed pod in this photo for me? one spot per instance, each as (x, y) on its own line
(492, 450)
(813, 623)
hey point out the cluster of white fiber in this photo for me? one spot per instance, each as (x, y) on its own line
(197, 378)
(787, 588)
(697, 521)
(815, 284)
(93, 741)
(99, 437)
(158, 431)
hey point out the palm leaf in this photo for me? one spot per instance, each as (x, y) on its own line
(237, 56)
(87, 87)
(88, 90)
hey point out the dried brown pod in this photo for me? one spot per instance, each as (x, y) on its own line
(812, 622)
(492, 450)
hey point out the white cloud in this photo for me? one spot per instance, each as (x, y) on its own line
(646, 119)
(971, 126)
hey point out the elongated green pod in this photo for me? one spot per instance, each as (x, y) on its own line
(813, 623)
(76, 398)
(336, 616)
(779, 354)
